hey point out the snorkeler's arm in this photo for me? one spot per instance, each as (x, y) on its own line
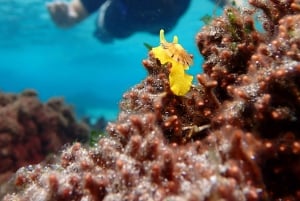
(67, 14)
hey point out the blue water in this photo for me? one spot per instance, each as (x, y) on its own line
(35, 54)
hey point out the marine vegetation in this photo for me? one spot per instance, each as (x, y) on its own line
(31, 130)
(235, 135)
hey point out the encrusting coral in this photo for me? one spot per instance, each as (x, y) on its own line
(233, 136)
(30, 130)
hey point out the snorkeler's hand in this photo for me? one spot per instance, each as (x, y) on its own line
(62, 13)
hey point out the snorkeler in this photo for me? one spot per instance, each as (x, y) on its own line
(120, 18)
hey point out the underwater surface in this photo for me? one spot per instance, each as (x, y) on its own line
(71, 63)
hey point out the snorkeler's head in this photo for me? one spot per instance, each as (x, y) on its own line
(112, 22)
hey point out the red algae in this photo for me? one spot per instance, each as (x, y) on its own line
(30, 130)
(233, 136)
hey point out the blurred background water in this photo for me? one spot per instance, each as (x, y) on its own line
(71, 63)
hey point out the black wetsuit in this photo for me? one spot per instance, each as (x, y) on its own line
(92, 5)
(121, 18)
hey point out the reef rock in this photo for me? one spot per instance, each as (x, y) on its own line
(31, 130)
(234, 136)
